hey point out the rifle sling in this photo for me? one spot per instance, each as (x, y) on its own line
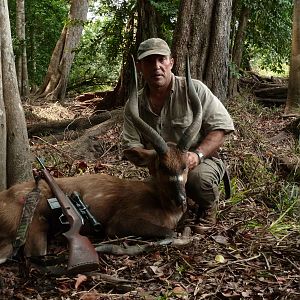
(31, 200)
(226, 177)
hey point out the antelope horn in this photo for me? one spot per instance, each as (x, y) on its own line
(152, 136)
(186, 140)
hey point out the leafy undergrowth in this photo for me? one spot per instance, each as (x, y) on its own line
(253, 252)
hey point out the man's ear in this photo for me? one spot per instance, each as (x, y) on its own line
(172, 62)
(139, 156)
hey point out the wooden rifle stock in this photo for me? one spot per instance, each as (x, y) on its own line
(82, 254)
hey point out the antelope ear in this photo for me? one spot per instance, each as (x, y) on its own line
(139, 156)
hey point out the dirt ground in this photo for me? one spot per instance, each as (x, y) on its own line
(241, 257)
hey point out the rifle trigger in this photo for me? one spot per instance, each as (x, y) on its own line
(63, 220)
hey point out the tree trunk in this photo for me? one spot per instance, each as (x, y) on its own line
(203, 32)
(237, 51)
(18, 166)
(55, 83)
(32, 52)
(181, 36)
(22, 72)
(147, 21)
(292, 107)
(3, 132)
(147, 27)
(119, 95)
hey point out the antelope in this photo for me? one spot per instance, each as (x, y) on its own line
(149, 208)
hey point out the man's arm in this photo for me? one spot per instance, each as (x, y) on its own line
(210, 145)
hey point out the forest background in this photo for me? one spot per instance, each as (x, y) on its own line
(241, 49)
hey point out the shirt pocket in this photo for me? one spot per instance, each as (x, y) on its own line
(181, 122)
(176, 127)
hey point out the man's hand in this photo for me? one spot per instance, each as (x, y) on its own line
(210, 145)
(193, 160)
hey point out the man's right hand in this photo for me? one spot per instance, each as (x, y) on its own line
(193, 160)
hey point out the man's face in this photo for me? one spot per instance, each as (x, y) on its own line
(156, 70)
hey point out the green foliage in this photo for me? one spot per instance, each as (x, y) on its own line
(44, 23)
(297, 146)
(258, 179)
(99, 56)
(234, 71)
(168, 10)
(113, 33)
(180, 270)
(254, 175)
(106, 38)
(288, 197)
(288, 205)
(238, 191)
(166, 7)
(253, 224)
(268, 36)
(92, 70)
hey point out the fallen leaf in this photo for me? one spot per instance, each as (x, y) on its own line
(79, 280)
(157, 270)
(280, 279)
(220, 239)
(220, 258)
(180, 292)
(90, 296)
(246, 294)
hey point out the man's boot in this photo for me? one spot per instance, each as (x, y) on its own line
(208, 213)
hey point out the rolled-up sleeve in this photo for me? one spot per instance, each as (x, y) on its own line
(215, 115)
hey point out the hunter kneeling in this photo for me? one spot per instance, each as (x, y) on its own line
(169, 103)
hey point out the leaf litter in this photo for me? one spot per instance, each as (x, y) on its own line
(238, 258)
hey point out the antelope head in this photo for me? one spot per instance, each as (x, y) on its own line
(168, 162)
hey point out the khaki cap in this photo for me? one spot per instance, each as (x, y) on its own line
(153, 46)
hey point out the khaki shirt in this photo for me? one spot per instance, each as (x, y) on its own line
(176, 115)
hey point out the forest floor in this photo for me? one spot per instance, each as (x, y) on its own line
(253, 252)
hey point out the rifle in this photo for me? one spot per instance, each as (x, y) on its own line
(82, 255)
(85, 212)
(81, 207)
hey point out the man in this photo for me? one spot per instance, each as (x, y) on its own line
(165, 106)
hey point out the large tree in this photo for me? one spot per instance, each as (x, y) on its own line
(239, 25)
(203, 32)
(21, 55)
(148, 25)
(148, 21)
(15, 163)
(55, 82)
(293, 101)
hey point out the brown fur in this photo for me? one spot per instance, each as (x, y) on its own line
(124, 207)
